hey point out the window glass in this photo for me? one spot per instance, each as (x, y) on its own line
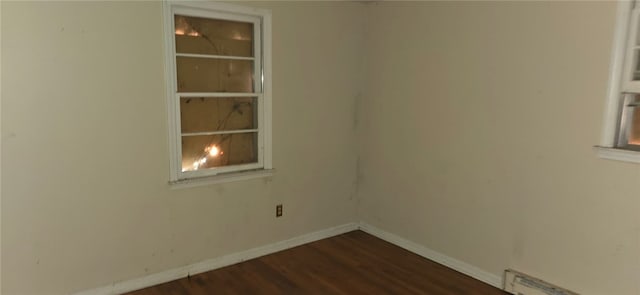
(213, 37)
(214, 75)
(633, 127)
(208, 114)
(209, 151)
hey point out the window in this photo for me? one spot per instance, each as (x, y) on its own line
(621, 132)
(219, 104)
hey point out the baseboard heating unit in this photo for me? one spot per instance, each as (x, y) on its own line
(522, 284)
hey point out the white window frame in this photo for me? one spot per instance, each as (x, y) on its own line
(261, 19)
(621, 85)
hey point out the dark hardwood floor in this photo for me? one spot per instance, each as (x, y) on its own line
(352, 263)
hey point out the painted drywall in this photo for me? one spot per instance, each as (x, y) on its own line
(473, 136)
(478, 123)
(85, 199)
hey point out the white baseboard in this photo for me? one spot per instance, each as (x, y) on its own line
(210, 264)
(463, 267)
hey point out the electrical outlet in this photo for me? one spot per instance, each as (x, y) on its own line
(278, 210)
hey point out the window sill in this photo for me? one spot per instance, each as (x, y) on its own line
(617, 154)
(221, 178)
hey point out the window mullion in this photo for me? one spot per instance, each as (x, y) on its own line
(220, 132)
(233, 57)
(219, 94)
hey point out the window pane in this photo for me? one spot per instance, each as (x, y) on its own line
(634, 127)
(212, 36)
(209, 151)
(207, 114)
(636, 68)
(214, 75)
(637, 33)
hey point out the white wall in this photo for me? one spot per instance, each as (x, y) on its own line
(85, 199)
(478, 123)
(474, 139)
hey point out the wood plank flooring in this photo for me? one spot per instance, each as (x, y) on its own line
(352, 263)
